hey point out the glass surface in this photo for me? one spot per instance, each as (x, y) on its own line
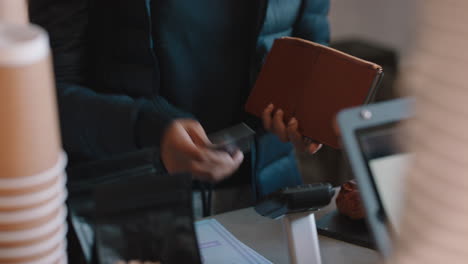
(387, 163)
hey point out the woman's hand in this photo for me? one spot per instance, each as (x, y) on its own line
(273, 121)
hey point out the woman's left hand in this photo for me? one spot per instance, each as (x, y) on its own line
(287, 132)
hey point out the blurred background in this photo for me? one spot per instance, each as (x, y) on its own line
(375, 30)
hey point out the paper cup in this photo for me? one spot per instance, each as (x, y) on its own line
(29, 137)
(39, 249)
(6, 227)
(34, 258)
(31, 243)
(33, 235)
(32, 214)
(33, 199)
(57, 256)
(34, 183)
(32, 189)
(13, 11)
(64, 260)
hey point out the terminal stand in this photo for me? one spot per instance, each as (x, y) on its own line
(296, 206)
(302, 238)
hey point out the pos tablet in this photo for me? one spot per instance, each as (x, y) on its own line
(372, 140)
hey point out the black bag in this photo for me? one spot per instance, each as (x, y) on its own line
(124, 209)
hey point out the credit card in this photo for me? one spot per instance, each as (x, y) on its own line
(238, 137)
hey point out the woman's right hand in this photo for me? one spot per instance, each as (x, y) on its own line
(185, 148)
(273, 121)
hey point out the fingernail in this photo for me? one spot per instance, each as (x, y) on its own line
(270, 106)
(318, 148)
(292, 121)
(280, 112)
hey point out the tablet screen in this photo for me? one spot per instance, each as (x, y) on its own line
(387, 164)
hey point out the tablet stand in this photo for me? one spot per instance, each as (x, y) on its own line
(296, 207)
(302, 238)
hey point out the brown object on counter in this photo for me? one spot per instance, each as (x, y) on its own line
(349, 201)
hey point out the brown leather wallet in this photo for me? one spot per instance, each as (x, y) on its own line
(312, 83)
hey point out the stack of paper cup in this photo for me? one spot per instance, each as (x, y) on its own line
(14, 11)
(32, 164)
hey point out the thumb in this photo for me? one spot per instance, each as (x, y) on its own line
(197, 133)
(178, 139)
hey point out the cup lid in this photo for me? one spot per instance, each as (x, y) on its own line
(22, 44)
